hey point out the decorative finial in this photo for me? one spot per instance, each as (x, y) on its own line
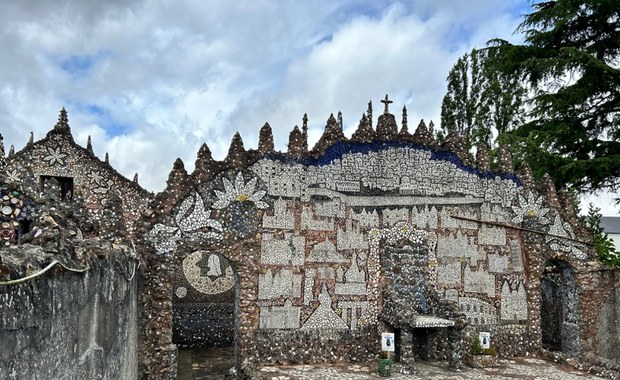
(369, 113)
(304, 131)
(107, 158)
(11, 150)
(31, 139)
(177, 175)
(135, 178)
(63, 121)
(387, 102)
(404, 121)
(265, 139)
(297, 144)
(236, 151)
(89, 146)
(340, 119)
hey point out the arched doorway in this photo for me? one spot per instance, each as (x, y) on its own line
(559, 308)
(204, 306)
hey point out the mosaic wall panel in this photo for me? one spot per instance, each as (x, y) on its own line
(317, 263)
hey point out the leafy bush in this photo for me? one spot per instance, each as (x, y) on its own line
(476, 349)
(605, 248)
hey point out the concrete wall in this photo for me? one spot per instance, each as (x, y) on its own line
(65, 325)
(609, 329)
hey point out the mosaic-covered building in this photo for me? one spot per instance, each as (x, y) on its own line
(308, 255)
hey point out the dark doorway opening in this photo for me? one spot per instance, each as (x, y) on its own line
(205, 308)
(559, 308)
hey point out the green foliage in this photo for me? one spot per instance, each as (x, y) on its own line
(605, 248)
(480, 101)
(570, 60)
(476, 349)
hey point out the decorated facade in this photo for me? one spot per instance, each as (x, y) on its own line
(308, 255)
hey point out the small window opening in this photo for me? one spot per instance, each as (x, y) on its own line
(65, 183)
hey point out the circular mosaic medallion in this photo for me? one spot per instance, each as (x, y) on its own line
(208, 272)
(181, 292)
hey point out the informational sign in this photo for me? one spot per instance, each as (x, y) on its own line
(387, 342)
(485, 340)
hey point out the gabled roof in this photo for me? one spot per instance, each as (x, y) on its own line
(611, 224)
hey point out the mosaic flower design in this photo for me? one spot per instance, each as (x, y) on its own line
(55, 155)
(190, 221)
(530, 206)
(240, 191)
(12, 175)
(557, 231)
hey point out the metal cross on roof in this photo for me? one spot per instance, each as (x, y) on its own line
(387, 102)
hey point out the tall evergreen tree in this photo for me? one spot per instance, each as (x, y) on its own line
(571, 60)
(480, 102)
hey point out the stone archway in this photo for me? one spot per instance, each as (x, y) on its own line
(203, 301)
(559, 308)
(409, 302)
(205, 304)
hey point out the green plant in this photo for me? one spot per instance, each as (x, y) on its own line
(605, 249)
(476, 349)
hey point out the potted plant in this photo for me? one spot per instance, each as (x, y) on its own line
(479, 357)
(384, 363)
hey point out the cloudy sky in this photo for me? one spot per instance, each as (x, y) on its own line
(151, 80)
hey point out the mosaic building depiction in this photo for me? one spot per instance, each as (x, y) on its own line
(309, 255)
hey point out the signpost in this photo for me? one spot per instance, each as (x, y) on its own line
(387, 342)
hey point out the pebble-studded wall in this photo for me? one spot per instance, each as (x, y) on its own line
(284, 254)
(300, 227)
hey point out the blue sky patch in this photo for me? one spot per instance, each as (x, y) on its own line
(82, 65)
(102, 117)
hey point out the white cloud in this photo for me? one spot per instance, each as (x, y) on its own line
(172, 75)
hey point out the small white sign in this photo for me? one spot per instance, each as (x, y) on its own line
(387, 342)
(485, 340)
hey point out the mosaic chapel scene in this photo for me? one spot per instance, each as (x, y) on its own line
(304, 256)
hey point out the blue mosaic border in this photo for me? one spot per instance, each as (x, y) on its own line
(339, 149)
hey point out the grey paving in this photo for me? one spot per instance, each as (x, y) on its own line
(211, 364)
(520, 368)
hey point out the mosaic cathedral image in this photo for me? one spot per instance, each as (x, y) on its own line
(304, 256)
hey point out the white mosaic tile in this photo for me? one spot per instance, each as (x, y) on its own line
(274, 284)
(514, 302)
(478, 281)
(280, 317)
(287, 251)
(283, 217)
(324, 317)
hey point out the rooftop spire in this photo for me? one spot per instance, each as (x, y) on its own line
(89, 146)
(236, 151)
(364, 132)
(369, 113)
(297, 144)
(304, 130)
(63, 121)
(265, 139)
(177, 175)
(2, 159)
(203, 167)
